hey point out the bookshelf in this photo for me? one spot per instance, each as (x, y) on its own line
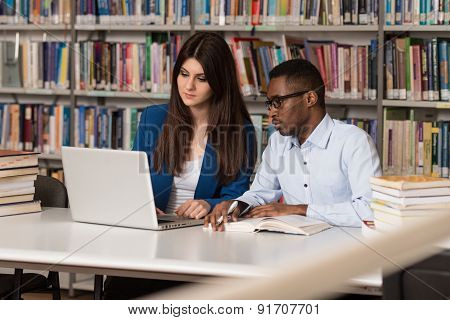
(74, 30)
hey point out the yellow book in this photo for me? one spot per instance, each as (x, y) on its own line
(427, 148)
(63, 68)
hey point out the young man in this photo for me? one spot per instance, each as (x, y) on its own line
(320, 166)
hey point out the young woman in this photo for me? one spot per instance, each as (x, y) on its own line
(201, 146)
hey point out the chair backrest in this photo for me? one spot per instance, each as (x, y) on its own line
(51, 192)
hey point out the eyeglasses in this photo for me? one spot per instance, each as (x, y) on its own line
(277, 101)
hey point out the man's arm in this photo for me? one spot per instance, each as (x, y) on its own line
(362, 162)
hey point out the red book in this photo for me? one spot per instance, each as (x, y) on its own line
(256, 4)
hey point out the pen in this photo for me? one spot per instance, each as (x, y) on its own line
(230, 210)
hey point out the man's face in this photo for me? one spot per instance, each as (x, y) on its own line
(291, 116)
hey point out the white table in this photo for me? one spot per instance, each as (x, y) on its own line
(52, 241)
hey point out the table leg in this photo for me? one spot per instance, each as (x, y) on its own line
(98, 287)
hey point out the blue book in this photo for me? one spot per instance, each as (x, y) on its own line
(81, 126)
(443, 74)
(373, 130)
(66, 127)
(398, 12)
(388, 12)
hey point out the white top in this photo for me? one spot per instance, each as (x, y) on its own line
(183, 187)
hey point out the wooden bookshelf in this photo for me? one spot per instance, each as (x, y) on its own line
(287, 28)
(142, 28)
(35, 27)
(45, 92)
(416, 28)
(417, 104)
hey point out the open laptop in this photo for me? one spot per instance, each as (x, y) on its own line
(113, 187)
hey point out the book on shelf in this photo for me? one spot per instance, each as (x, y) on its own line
(417, 69)
(121, 66)
(414, 143)
(293, 224)
(35, 11)
(134, 12)
(282, 12)
(349, 72)
(417, 12)
(35, 64)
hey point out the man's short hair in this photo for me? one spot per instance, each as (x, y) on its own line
(301, 75)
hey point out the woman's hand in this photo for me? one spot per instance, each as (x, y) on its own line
(195, 209)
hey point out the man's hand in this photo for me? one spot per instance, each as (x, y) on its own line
(159, 212)
(195, 209)
(221, 210)
(277, 209)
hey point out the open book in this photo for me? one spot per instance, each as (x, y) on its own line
(294, 224)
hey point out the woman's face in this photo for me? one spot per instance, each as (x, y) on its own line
(193, 86)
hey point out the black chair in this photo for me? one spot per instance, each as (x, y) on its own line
(428, 279)
(52, 193)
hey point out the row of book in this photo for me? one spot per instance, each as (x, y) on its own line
(39, 128)
(417, 12)
(415, 143)
(399, 201)
(34, 64)
(17, 175)
(285, 12)
(105, 127)
(135, 12)
(417, 69)
(35, 11)
(127, 66)
(45, 128)
(348, 71)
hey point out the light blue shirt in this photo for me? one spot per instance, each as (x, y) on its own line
(329, 172)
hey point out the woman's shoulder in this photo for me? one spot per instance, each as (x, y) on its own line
(155, 113)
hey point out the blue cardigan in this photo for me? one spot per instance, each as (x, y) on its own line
(208, 187)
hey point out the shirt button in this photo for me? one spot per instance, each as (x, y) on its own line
(305, 185)
(305, 163)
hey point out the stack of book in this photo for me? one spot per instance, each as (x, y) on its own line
(402, 200)
(18, 171)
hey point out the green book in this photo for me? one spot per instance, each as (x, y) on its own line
(148, 65)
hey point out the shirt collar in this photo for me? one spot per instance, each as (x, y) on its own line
(320, 135)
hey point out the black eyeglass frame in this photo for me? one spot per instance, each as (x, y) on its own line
(270, 103)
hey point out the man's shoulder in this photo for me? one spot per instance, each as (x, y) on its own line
(348, 131)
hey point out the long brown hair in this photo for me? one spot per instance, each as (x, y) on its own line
(227, 113)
